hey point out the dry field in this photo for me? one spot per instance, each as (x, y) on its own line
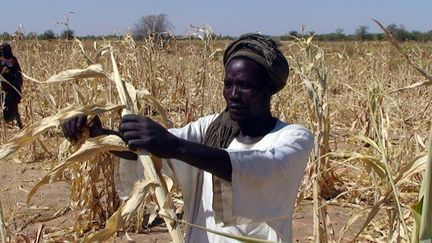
(363, 177)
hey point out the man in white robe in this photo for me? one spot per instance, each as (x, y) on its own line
(239, 171)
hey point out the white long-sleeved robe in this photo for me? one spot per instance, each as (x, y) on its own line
(259, 202)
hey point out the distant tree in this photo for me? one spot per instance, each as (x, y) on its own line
(47, 35)
(362, 32)
(31, 35)
(379, 36)
(91, 37)
(417, 36)
(67, 34)
(6, 36)
(339, 31)
(392, 28)
(399, 32)
(294, 33)
(428, 36)
(338, 34)
(152, 25)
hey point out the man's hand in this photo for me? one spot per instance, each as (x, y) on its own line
(140, 132)
(74, 127)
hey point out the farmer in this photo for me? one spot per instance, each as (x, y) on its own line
(239, 171)
(11, 72)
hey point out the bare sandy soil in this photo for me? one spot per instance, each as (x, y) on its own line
(17, 178)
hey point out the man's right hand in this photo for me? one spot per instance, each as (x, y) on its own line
(74, 127)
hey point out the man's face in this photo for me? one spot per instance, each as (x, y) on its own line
(246, 89)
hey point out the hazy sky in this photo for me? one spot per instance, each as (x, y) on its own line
(226, 17)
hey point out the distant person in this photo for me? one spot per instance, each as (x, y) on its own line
(11, 72)
(239, 171)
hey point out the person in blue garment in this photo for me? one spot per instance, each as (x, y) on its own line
(239, 171)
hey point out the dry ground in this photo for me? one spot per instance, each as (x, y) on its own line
(18, 177)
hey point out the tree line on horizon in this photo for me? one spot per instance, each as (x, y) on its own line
(399, 32)
(158, 26)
